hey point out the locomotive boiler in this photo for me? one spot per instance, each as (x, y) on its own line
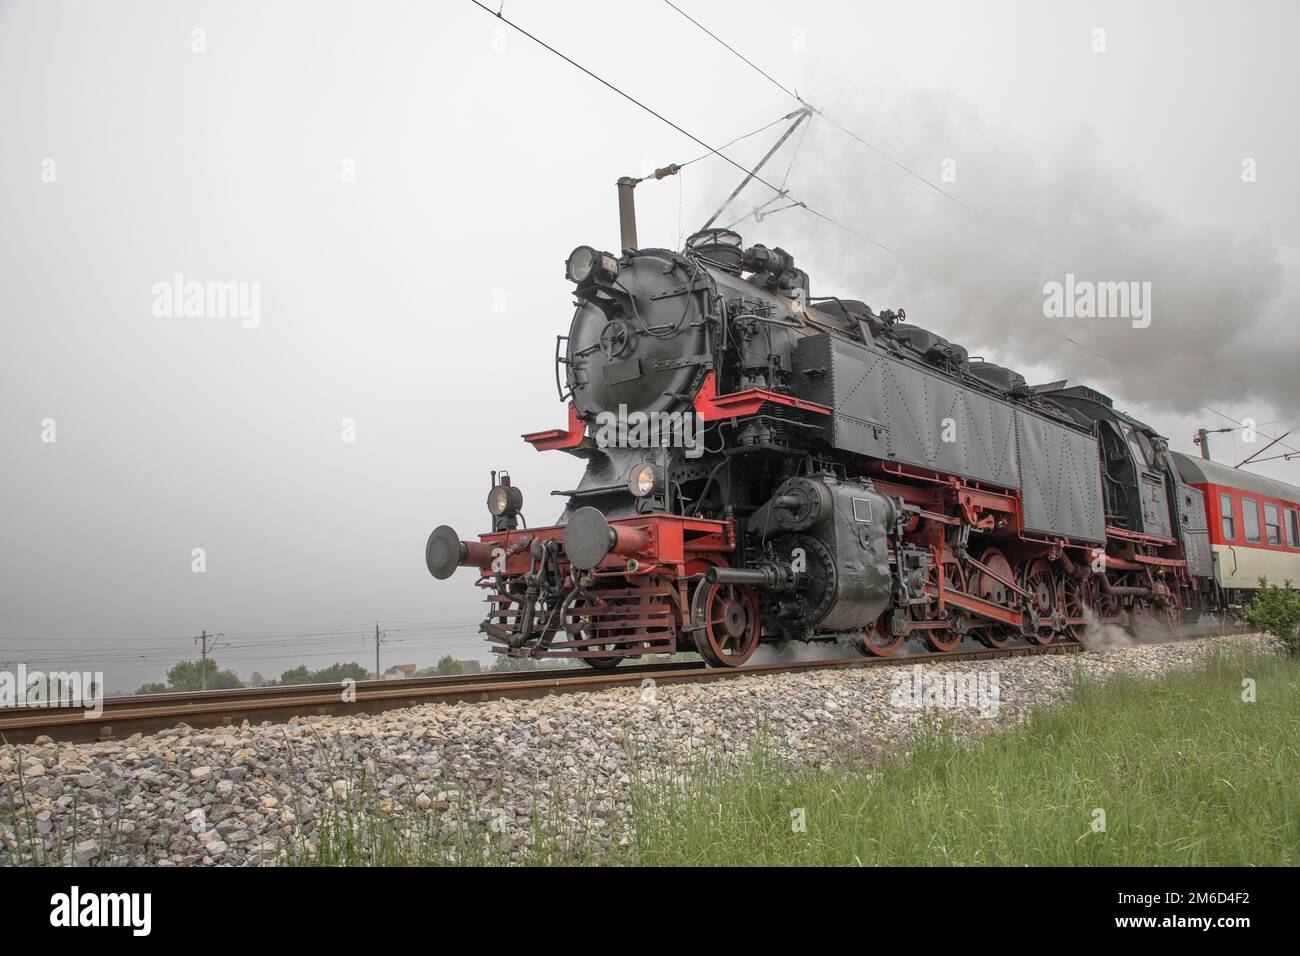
(766, 465)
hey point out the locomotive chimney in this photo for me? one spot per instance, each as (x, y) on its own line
(626, 214)
(627, 205)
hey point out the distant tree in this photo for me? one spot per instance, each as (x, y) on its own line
(340, 672)
(449, 666)
(257, 680)
(188, 675)
(1276, 611)
(326, 675)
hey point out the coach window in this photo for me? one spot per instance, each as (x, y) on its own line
(1272, 524)
(1250, 518)
(1293, 527)
(1225, 513)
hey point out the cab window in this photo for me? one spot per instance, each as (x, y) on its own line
(1135, 440)
(1293, 527)
(1272, 524)
(1250, 519)
(1225, 515)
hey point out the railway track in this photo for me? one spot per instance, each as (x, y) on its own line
(125, 716)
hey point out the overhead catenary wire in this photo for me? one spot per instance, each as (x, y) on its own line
(911, 172)
(712, 151)
(762, 129)
(691, 136)
(436, 636)
(843, 129)
(780, 86)
(90, 662)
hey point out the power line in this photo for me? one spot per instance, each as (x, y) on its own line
(434, 635)
(784, 89)
(922, 179)
(610, 86)
(691, 136)
(663, 119)
(761, 129)
(82, 661)
(777, 84)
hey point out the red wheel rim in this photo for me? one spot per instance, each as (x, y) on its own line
(942, 641)
(953, 577)
(991, 589)
(726, 622)
(878, 641)
(1077, 597)
(1043, 598)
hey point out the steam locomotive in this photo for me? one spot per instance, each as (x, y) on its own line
(765, 465)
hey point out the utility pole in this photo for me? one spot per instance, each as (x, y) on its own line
(205, 647)
(378, 639)
(1202, 438)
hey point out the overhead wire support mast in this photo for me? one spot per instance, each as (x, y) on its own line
(799, 116)
(794, 94)
(1202, 438)
(205, 648)
(379, 639)
(1249, 458)
(626, 184)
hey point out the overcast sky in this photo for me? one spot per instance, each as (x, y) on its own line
(403, 181)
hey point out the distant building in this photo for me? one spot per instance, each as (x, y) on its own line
(470, 667)
(400, 671)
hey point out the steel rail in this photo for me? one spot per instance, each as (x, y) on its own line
(125, 716)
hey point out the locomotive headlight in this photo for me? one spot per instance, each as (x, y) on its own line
(580, 264)
(505, 499)
(644, 479)
(585, 263)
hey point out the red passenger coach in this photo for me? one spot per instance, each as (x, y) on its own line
(1254, 525)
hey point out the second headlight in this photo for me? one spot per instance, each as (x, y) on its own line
(645, 479)
(505, 499)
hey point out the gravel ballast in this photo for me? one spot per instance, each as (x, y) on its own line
(241, 795)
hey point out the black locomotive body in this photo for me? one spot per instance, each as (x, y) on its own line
(763, 466)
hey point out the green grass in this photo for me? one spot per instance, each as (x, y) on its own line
(1185, 771)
